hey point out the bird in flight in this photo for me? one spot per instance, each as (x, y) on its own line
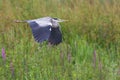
(46, 29)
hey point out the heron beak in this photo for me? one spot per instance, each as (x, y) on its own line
(61, 20)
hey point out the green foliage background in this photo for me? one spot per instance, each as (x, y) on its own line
(91, 40)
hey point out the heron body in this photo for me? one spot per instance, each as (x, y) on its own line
(46, 29)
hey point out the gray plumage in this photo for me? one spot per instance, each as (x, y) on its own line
(46, 29)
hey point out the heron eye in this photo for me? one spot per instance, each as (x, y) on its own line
(55, 18)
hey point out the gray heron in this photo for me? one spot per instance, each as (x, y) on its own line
(46, 29)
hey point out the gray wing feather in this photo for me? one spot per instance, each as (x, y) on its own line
(40, 33)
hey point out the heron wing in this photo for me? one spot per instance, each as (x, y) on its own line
(56, 36)
(40, 32)
(40, 20)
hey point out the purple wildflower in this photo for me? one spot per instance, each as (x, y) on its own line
(12, 68)
(94, 58)
(3, 54)
(69, 57)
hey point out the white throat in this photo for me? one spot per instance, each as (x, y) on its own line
(55, 24)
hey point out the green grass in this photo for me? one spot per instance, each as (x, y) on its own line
(91, 41)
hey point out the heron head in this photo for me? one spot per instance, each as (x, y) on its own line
(55, 22)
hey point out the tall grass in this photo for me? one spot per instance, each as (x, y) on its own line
(90, 47)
